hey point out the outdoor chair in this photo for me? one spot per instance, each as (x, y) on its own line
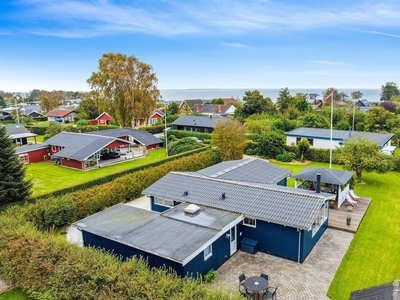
(242, 288)
(271, 293)
(354, 196)
(350, 200)
(264, 276)
(242, 278)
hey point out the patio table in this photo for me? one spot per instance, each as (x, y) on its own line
(256, 284)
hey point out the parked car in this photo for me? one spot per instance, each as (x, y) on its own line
(111, 155)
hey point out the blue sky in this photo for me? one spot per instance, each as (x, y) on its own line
(56, 44)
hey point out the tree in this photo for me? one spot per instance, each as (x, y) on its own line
(229, 139)
(13, 185)
(314, 120)
(50, 100)
(52, 130)
(363, 155)
(88, 109)
(389, 106)
(173, 108)
(270, 144)
(2, 102)
(255, 103)
(183, 145)
(336, 95)
(356, 95)
(284, 99)
(217, 101)
(303, 146)
(376, 118)
(389, 90)
(125, 87)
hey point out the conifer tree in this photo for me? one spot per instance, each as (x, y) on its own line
(13, 185)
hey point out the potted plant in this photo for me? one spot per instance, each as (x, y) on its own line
(350, 208)
(332, 204)
(348, 220)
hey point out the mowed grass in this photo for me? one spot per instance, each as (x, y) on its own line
(373, 257)
(14, 294)
(48, 177)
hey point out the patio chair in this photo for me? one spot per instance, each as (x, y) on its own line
(264, 276)
(350, 200)
(354, 196)
(271, 293)
(242, 288)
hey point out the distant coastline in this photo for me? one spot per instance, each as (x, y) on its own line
(372, 95)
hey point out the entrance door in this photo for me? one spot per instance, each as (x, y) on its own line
(233, 240)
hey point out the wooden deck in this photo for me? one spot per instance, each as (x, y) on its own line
(337, 216)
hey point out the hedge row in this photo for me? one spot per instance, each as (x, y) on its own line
(154, 128)
(180, 134)
(108, 178)
(319, 155)
(73, 128)
(47, 268)
(59, 211)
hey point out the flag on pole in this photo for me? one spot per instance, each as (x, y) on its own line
(331, 94)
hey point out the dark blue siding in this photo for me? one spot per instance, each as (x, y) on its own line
(126, 251)
(309, 241)
(220, 254)
(283, 182)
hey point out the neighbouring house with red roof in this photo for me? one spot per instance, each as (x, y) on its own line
(103, 119)
(156, 116)
(61, 115)
(230, 101)
(89, 150)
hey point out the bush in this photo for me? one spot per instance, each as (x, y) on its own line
(285, 157)
(154, 129)
(180, 134)
(210, 276)
(40, 130)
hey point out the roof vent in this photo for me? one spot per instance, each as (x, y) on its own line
(185, 193)
(192, 210)
(223, 195)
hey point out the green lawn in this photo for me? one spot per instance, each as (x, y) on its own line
(48, 177)
(14, 294)
(373, 257)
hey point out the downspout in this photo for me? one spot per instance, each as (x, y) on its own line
(298, 254)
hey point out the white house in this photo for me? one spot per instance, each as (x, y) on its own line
(320, 138)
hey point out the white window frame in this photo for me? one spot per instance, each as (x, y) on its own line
(320, 219)
(163, 202)
(207, 252)
(250, 225)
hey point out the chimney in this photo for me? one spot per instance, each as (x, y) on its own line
(219, 108)
(318, 186)
(197, 107)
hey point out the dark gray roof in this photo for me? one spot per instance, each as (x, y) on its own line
(171, 234)
(27, 109)
(272, 203)
(250, 169)
(327, 175)
(388, 291)
(25, 149)
(18, 131)
(198, 121)
(79, 146)
(142, 137)
(380, 138)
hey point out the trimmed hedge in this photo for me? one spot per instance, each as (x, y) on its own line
(110, 177)
(154, 129)
(40, 130)
(320, 155)
(180, 134)
(47, 268)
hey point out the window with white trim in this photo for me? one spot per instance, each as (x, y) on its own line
(320, 219)
(249, 222)
(163, 202)
(207, 252)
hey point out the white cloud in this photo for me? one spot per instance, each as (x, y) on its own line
(235, 45)
(380, 33)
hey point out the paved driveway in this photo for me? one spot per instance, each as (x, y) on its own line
(309, 280)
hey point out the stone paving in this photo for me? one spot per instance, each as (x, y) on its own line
(309, 280)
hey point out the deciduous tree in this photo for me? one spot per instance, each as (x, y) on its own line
(255, 103)
(303, 146)
(125, 87)
(389, 90)
(229, 139)
(173, 108)
(50, 100)
(13, 185)
(356, 95)
(270, 144)
(363, 155)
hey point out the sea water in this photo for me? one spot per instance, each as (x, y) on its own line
(372, 95)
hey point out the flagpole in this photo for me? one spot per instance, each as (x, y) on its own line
(330, 147)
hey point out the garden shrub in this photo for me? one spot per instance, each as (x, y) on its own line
(180, 134)
(154, 128)
(40, 130)
(210, 276)
(285, 157)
